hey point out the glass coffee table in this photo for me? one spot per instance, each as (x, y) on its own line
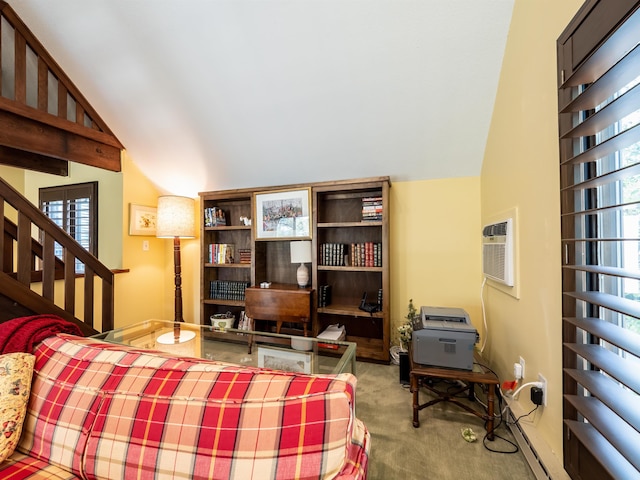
(241, 347)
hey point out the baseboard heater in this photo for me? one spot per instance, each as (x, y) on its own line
(533, 459)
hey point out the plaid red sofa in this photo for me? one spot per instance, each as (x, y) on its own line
(103, 411)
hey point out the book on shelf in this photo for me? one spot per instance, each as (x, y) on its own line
(366, 254)
(324, 295)
(332, 332)
(221, 253)
(363, 254)
(245, 255)
(227, 290)
(333, 254)
(372, 208)
(214, 217)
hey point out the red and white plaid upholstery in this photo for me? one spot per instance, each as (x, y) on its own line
(103, 411)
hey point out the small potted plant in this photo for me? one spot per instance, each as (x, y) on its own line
(406, 329)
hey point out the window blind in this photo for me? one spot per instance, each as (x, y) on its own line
(74, 209)
(599, 131)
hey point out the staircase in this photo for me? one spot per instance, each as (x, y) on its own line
(34, 281)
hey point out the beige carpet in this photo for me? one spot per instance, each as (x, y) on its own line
(435, 450)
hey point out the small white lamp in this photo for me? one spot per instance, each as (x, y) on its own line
(301, 253)
(176, 219)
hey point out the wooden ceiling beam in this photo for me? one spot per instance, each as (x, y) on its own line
(33, 161)
(36, 137)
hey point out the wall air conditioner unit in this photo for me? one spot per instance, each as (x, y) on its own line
(497, 251)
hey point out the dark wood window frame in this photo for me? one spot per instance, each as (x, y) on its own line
(599, 130)
(75, 210)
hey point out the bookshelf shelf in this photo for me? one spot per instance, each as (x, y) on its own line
(328, 268)
(350, 224)
(227, 228)
(349, 310)
(227, 303)
(227, 265)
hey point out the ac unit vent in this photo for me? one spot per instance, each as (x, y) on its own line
(495, 229)
(497, 252)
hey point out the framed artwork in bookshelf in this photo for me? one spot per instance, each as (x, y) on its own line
(283, 215)
(142, 220)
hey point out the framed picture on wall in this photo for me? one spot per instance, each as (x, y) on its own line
(283, 215)
(142, 220)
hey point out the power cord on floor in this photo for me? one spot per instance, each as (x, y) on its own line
(501, 420)
(498, 416)
(495, 435)
(522, 416)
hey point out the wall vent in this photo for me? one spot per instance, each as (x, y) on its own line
(497, 251)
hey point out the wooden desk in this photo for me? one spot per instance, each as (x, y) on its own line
(280, 303)
(420, 373)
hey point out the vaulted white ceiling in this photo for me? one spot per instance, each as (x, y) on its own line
(217, 94)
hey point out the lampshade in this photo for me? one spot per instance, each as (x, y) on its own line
(175, 217)
(300, 252)
(183, 344)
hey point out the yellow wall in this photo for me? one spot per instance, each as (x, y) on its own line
(13, 176)
(109, 203)
(141, 293)
(435, 246)
(148, 290)
(521, 170)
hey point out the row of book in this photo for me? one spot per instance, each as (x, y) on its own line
(371, 209)
(245, 255)
(333, 254)
(214, 217)
(221, 253)
(364, 254)
(227, 289)
(324, 295)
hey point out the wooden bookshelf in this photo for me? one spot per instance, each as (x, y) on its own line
(337, 217)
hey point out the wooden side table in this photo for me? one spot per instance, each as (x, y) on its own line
(420, 373)
(280, 303)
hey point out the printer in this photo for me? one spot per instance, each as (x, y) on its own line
(444, 337)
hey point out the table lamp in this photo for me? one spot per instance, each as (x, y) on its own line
(301, 253)
(176, 219)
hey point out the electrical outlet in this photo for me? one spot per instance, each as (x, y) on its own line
(522, 367)
(543, 381)
(517, 371)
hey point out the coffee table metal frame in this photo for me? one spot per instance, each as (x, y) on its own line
(330, 356)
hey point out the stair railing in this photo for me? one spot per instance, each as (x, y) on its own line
(27, 250)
